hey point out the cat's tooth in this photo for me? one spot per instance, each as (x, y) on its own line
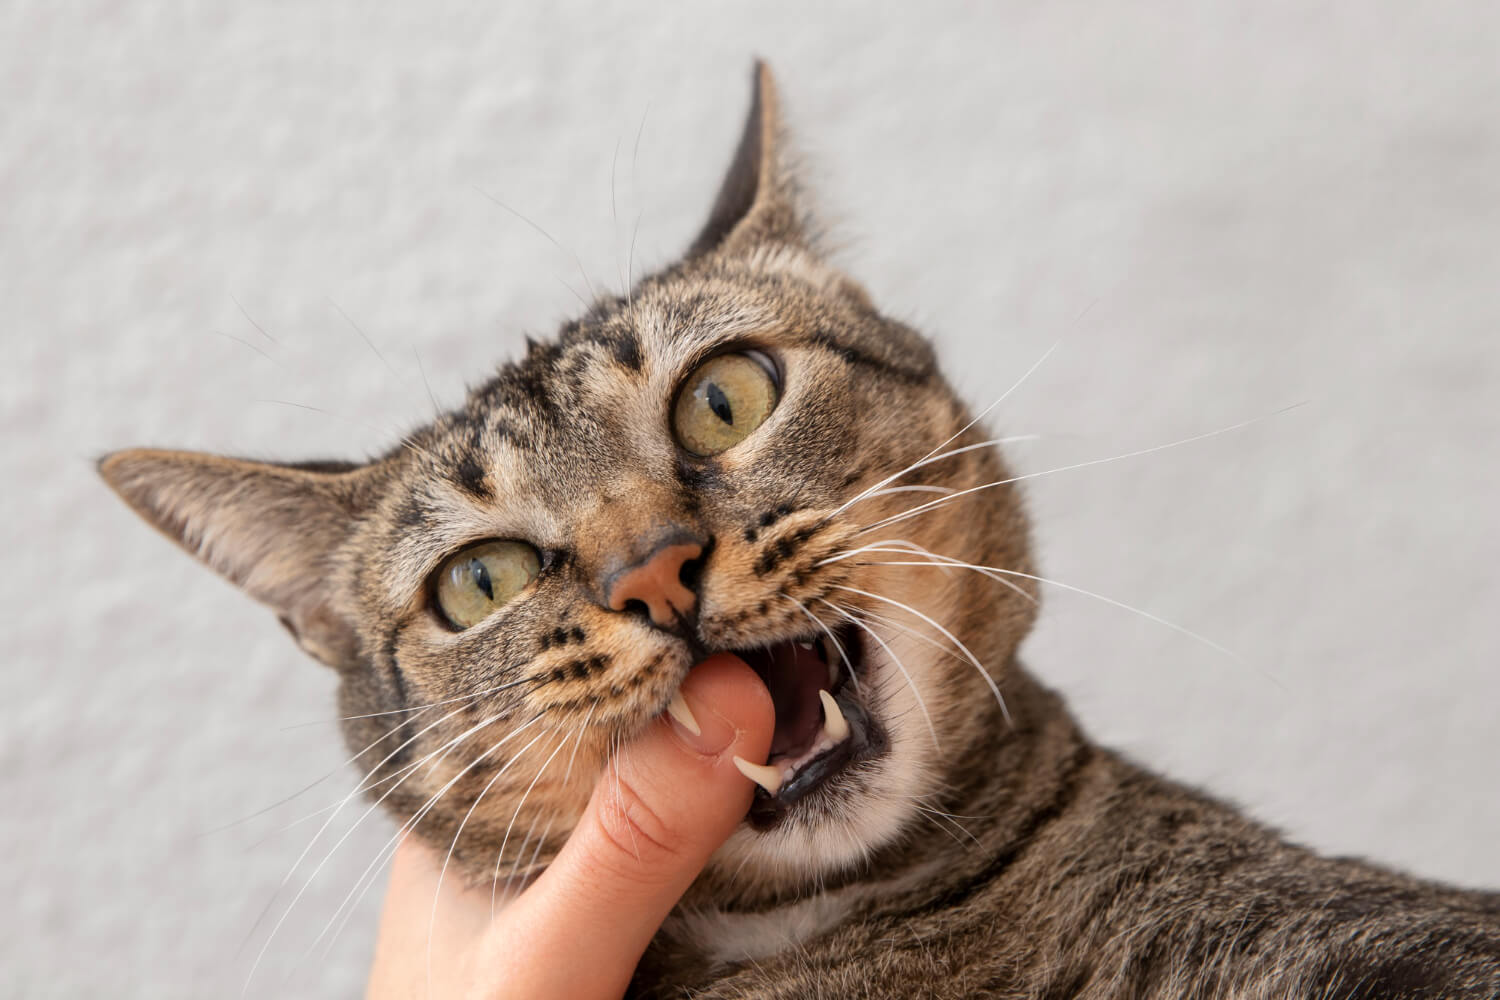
(764, 775)
(678, 709)
(834, 724)
(809, 647)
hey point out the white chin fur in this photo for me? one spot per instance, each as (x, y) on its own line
(879, 811)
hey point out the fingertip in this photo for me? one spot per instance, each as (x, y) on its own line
(724, 686)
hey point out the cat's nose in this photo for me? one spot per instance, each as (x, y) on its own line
(664, 582)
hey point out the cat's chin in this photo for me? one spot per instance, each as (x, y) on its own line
(839, 800)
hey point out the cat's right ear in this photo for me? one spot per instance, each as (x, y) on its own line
(272, 529)
(759, 200)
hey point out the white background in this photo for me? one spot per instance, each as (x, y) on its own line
(1217, 209)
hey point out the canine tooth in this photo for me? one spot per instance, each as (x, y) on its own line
(834, 724)
(809, 647)
(678, 709)
(764, 775)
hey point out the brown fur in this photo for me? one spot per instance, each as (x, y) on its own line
(1076, 874)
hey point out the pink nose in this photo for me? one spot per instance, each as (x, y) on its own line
(656, 582)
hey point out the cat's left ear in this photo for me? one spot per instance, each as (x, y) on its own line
(274, 530)
(759, 200)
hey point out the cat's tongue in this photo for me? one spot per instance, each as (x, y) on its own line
(794, 673)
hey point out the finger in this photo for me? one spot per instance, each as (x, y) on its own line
(429, 928)
(658, 812)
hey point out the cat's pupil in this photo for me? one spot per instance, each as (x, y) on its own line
(719, 403)
(481, 578)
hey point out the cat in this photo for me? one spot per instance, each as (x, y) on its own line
(741, 453)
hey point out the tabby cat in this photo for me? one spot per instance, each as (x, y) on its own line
(743, 454)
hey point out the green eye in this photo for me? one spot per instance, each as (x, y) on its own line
(723, 400)
(482, 577)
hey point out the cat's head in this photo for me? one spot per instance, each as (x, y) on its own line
(739, 454)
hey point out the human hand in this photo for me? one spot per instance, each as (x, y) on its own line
(579, 930)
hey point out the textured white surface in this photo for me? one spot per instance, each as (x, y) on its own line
(1219, 208)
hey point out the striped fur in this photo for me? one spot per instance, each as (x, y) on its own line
(1000, 854)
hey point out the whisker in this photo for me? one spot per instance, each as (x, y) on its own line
(921, 704)
(310, 786)
(365, 337)
(928, 459)
(994, 688)
(292, 905)
(415, 708)
(536, 852)
(614, 216)
(635, 153)
(1003, 396)
(510, 876)
(436, 895)
(582, 728)
(405, 441)
(508, 826)
(388, 849)
(437, 411)
(246, 343)
(923, 508)
(944, 490)
(987, 570)
(359, 787)
(548, 236)
(905, 629)
(614, 762)
(919, 550)
(251, 320)
(932, 455)
(400, 379)
(843, 655)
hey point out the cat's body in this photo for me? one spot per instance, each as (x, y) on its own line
(1083, 876)
(743, 454)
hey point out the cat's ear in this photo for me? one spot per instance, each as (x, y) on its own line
(271, 529)
(759, 200)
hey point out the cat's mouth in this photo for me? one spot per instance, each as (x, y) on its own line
(822, 724)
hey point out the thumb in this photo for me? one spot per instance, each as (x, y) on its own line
(659, 810)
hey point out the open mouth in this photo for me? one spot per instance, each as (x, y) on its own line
(822, 724)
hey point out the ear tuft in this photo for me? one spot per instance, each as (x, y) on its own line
(272, 529)
(759, 200)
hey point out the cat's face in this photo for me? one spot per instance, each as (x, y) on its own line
(705, 464)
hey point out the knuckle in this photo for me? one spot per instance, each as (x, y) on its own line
(637, 837)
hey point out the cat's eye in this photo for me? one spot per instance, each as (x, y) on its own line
(481, 578)
(723, 400)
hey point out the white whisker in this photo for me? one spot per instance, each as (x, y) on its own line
(389, 848)
(930, 458)
(932, 455)
(910, 683)
(292, 905)
(359, 787)
(919, 550)
(417, 708)
(843, 654)
(988, 570)
(310, 785)
(929, 505)
(994, 688)
(442, 872)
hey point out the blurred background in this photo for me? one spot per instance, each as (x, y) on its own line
(268, 230)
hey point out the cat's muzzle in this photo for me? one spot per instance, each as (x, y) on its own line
(823, 723)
